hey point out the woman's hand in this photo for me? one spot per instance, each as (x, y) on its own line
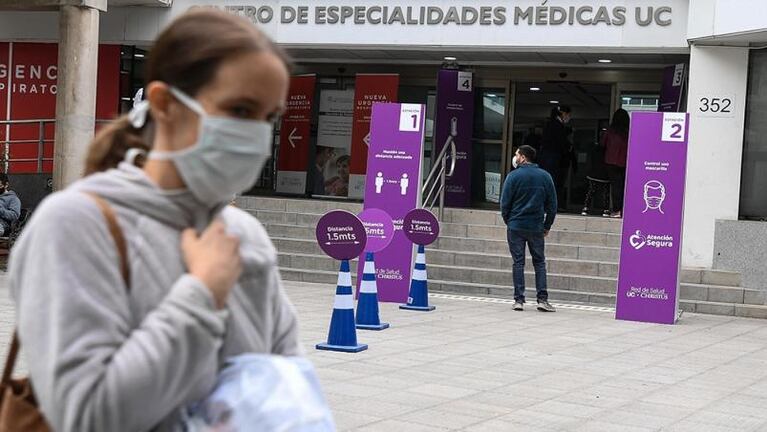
(213, 258)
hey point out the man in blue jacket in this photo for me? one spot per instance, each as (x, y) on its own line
(528, 207)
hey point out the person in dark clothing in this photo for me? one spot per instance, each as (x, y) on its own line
(10, 205)
(556, 148)
(616, 144)
(533, 138)
(528, 207)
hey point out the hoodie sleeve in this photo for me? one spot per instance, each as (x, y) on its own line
(11, 213)
(285, 338)
(92, 367)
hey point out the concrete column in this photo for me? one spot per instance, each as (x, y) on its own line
(76, 100)
(716, 146)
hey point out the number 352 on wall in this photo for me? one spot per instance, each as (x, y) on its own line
(715, 106)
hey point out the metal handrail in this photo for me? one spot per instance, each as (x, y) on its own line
(434, 186)
(41, 141)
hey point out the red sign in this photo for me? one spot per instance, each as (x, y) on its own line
(295, 134)
(29, 73)
(368, 89)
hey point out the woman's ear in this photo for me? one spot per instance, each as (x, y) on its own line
(159, 97)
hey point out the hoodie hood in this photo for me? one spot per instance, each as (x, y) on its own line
(128, 186)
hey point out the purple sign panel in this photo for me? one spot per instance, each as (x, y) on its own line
(421, 227)
(652, 218)
(672, 88)
(393, 184)
(341, 235)
(455, 116)
(378, 227)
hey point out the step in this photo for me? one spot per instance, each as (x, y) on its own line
(498, 242)
(286, 243)
(260, 205)
(561, 282)
(456, 230)
(594, 298)
(574, 266)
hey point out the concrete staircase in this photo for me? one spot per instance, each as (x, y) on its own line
(471, 257)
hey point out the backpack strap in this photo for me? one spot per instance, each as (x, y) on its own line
(117, 235)
(122, 250)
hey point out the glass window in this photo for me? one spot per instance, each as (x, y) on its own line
(753, 200)
(489, 118)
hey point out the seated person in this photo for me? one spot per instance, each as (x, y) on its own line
(10, 205)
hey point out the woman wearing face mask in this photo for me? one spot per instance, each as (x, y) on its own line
(108, 353)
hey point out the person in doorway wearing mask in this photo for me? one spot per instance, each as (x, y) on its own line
(126, 352)
(10, 205)
(556, 148)
(616, 144)
(528, 207)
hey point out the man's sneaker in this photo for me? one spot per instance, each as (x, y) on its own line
(518, 306)
(545, 306)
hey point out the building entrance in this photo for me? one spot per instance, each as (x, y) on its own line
(590, 106)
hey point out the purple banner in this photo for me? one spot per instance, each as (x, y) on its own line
(455, 115)
(648, 275)
(672, 88)
(393, 184)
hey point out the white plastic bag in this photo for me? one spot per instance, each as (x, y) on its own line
(257, 392)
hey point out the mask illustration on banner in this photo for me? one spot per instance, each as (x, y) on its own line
(654, 195)
(226, 159)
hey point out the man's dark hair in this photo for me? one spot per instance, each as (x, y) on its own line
(528, 152)
(3, 178)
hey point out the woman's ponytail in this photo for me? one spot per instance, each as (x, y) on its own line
(111, 144)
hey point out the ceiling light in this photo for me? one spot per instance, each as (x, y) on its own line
(553, 102)
(535, 89)
(491, 95)
(139, 55)
(450, 58)
(605, 61)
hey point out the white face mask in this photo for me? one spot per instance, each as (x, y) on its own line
(226, 159)
(514, 162)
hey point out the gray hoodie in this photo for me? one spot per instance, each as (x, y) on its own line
(102, 358)
(10, 208)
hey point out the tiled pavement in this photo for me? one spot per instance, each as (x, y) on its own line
(478, 366)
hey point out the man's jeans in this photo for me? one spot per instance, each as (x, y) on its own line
(536, 244)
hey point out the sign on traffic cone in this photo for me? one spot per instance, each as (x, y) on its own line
(419, 288)
(367, 306)
(343, 335)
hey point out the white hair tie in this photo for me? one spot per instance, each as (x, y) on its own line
(137, 115)
(132, 154)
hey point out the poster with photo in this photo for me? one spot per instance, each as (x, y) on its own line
(332, 158)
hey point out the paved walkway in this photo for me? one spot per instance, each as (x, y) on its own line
(475, 365)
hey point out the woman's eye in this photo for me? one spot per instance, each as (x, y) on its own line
(242, 112)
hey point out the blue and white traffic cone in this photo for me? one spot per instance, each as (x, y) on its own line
(419, 285)
(343, 335)
(367, 305)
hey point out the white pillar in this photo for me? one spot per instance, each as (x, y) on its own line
(76, 100)
(716, 146)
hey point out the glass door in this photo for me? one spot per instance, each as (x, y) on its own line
(590, 113)
(487, 146)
